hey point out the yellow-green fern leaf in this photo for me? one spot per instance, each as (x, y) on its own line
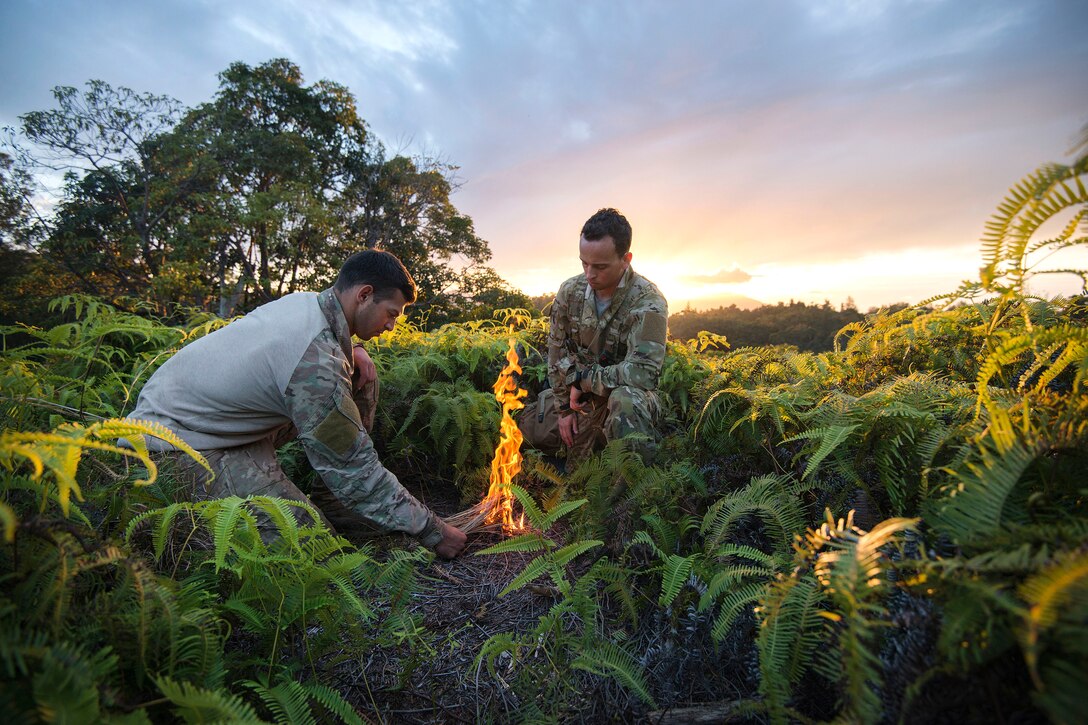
(133, 430)
(8, 518)
(1050, 593)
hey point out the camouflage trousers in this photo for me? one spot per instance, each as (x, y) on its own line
(626, 413)
(254, 470)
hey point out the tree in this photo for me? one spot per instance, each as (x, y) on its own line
(16, 223)
(111, 229)
(26, 282)
(477, 294)
(282, 158)
(260, 192)
(407, 211)
(809, 327)
(300, 184)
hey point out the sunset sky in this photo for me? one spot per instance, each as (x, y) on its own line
(771, 149)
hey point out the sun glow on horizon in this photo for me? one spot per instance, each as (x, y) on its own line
(872, 280)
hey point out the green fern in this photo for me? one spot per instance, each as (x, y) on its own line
(770, 499)
(675, 572)
(836, 586)
(607, 658)
(734, 587)
(1029, 204)
(830, 437)
(977, 506)
(199, 705)
(289, 701)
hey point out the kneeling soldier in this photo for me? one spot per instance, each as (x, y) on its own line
(289, 370)
(606, 347)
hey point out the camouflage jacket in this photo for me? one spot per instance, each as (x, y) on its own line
(287, 361)
(624, 346)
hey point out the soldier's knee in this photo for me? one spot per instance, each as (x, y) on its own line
(631, 411)
(631, 403)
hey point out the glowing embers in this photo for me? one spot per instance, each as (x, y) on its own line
(496, 509)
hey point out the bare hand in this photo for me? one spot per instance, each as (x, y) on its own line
(576, 398)
(453, 542)
(568, 428)
(365, 370)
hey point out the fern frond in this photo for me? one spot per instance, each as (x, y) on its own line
(732, 605)
(566, 554)
(763, 498)
(1050, 593)
(495, 646)
(976, 507)
(535, 568)
(830, 438)
(523, 542)
(746, 552)
(227, 515)
(676, 570)
(334, 702)
(791, 629)
(532, 511)
(287, 701)
(196, 704)
(607, 658)
(558, 512)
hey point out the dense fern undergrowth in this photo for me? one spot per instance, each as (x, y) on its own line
(891, 532)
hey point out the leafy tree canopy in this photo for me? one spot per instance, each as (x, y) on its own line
(262, 191)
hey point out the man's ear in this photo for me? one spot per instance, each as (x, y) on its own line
(627, 258)
(363, 292)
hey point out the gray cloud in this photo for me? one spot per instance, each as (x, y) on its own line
(815, 130)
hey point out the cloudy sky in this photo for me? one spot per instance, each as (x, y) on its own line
(774, 149)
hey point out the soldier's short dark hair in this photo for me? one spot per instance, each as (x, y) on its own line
(609, 223)
(379, 269)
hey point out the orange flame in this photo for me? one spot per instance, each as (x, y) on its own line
(507, 461)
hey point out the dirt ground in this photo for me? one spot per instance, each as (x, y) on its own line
(458, 604)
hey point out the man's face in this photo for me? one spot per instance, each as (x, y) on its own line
(374, 316)
(602, 265)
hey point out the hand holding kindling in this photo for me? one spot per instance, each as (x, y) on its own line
(453, 542)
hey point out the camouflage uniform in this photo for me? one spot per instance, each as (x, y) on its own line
(615, 358)
(248, 388)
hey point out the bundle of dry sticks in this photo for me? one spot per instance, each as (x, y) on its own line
(475, 519)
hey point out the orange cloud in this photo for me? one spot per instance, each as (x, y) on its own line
(730, 276)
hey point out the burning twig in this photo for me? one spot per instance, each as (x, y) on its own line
(496, 510)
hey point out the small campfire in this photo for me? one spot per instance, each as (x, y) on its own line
(496, 510)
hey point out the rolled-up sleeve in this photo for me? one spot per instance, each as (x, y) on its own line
(319, 402)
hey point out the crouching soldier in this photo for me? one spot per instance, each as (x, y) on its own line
(606, 348)
(288, 370)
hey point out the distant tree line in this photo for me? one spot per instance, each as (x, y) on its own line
(262, 191)
(808, 327)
